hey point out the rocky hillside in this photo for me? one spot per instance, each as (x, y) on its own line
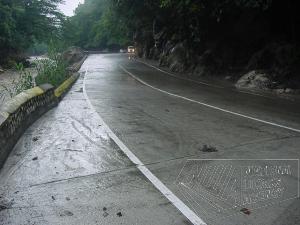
(253, 44)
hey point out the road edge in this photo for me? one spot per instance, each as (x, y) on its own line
(23, 110)
(211, 106)
(166, 192)
(254, 92)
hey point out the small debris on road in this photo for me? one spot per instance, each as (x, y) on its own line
(5, 203)
(245, 211)
(3, 207)
(167, 110)
(206, 148)
(119, 214)
(68, 199)
(53, 198)
(80, 90)
(66, 213)
(105, 214)
(104, 208)
(35, 139)
(35, 158)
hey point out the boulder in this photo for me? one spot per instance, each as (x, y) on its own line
(73, 55)
(291, 91)
(288, 91)
(279, 91)
(255, 80)
(280, 59)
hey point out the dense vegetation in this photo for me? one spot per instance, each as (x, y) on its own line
(96, 25)
(102, 22)
(24, 22)
(210, 37)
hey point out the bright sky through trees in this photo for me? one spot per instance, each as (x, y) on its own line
(69, 6)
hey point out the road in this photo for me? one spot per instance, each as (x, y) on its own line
(132, 145)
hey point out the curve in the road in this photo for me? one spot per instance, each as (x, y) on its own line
(184, 209)
(210, 106)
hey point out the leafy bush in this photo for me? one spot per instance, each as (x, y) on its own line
(52, 70)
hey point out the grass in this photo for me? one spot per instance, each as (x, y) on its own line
(52, 70)
(23, 82)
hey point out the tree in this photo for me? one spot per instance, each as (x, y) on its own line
(96, 25)
(24, 21)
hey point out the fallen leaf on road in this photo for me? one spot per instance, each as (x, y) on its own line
(245, 211)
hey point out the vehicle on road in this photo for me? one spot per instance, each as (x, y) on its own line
(131, 49)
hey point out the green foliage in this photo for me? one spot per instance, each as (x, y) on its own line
(51, 70)
(23, 82)
(23, 21)
(37, 49)
(96, 25)
(109, 30)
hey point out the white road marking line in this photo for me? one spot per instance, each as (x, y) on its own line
(211, 106)
(166, 72)
(184, 209)
(201, 82)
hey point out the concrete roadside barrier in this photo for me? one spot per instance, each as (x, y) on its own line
(20, 112)
(65, 86)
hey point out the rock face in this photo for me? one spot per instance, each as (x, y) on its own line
(175, 56)
(255, 80)
(274, 56)
(178, 58)
(282, 60)
(73, 55)
(230, 59)
(163, 58)
(207, 64)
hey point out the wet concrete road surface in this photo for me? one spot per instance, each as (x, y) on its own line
(66, 169)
